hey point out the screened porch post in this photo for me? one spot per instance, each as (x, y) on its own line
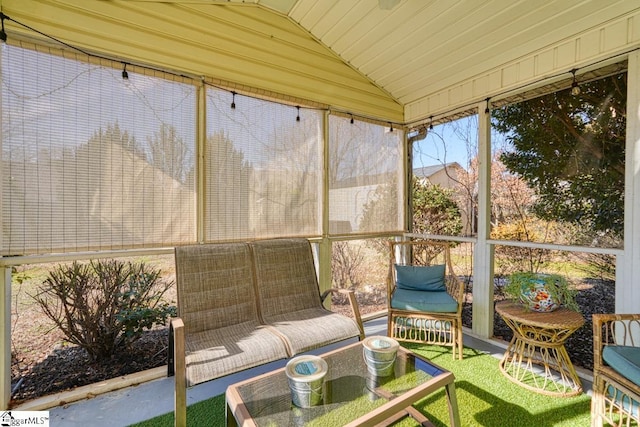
(5, 337)
(628, 264)
(5, 325)
(482, 309)
(324, 268)
(201, 138)
(324, 247)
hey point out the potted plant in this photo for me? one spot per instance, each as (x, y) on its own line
(541, 292)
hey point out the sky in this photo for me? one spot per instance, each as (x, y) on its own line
(455, 141)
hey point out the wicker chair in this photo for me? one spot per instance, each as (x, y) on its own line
(616, 370)
(424, 304)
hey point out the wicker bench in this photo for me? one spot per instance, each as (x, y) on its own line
(241, 305)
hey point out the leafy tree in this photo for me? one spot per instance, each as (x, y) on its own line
(380, 207)
(522, 258)
(570, 149)
(228, 176)
(292, 168)
(434, 209)
(114, 135)
(169, 153)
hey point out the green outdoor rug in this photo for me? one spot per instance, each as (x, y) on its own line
(485, 398)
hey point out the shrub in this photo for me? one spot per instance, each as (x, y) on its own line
(104, 305)
(519, 258)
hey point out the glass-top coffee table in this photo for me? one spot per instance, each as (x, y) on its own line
(351, 396)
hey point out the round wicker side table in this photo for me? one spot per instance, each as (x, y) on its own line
(536, 357)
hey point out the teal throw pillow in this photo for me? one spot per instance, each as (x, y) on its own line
(420, 278)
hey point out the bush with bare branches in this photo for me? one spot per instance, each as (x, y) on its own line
(104, 305)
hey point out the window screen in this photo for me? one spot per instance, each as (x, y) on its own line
(262, 168)
(365, 177)
(90, 160)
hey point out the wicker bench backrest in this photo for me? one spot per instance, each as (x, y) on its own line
(286, 277)
(215, 286)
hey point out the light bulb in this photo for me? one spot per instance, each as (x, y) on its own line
(575, 89)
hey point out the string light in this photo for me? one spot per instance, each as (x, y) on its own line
(233, 100)
(125, 74)
(3, 34)
(575, 89)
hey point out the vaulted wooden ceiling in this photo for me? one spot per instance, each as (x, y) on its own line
(399, 60)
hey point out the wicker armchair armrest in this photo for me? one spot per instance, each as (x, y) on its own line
(455, 288)
(355, 310)
(612, 329)
(611, 387)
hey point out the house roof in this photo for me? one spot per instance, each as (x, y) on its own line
(428, 171)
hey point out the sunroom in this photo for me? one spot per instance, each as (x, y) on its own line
(130, 127)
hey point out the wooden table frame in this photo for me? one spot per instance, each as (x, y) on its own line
(390, 412)
(538, 339)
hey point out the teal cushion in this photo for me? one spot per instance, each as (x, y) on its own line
(625, 360)
(438, 302)
(420, 278)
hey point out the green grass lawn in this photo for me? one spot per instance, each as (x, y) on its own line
(485, 398)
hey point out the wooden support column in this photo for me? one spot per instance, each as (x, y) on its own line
(5, 311)
(628, 264)
(483, 253)
(201, 138)
(324, 248)
(5, 336)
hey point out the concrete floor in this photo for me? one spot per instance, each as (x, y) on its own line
(145, 401)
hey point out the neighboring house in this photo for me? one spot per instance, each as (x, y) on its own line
(447, 175)
(85, 204)
(452, 176)
(349, 196)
